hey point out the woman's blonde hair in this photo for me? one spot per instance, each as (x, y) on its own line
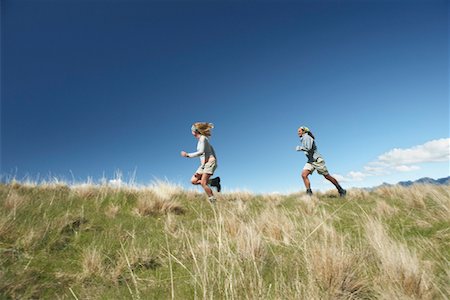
(203, 128)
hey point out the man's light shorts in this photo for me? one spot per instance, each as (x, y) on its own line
(318, 165)
(207, 168)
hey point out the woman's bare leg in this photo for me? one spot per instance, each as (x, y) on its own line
(196, 179)
(204, 182)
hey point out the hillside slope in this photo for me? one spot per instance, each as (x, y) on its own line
(160, 242)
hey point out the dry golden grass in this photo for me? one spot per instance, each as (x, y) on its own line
(336, 269)
(5, 226)
(13, 202)
(329, 193)
(440, 196)
(401, 272)
(357, 194)
(384, 244)
(92, 263)
(308, 204)
(413, 196)
(165, 190)
(231, 224)
(249, 242)
(433, 200)
(30, 238)
(87, 191)
(239, 207)
(385, 210)
(171, 225)
(150, 204)
(112, 210)
(237, 196)
(276, 225)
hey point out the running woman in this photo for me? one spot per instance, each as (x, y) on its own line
(208, 159)
(315, 161)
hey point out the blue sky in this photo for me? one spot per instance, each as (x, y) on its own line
(91, 87)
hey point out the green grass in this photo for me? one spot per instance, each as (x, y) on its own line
(159, 242)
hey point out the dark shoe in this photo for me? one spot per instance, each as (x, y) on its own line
(342, 193)
(219, 187)
(309, 192)
(215, 182)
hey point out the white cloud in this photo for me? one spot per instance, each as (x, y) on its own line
(357, 176)
(405, 168)
(351, 176)
(375, 169)
(432, 151)
(402, 160)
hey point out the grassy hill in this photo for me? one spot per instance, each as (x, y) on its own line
(161, 242)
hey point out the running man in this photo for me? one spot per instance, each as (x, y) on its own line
(315, 161)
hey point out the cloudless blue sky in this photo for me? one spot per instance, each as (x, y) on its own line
(91, 87)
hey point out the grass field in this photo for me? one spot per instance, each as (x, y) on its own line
(162, 242)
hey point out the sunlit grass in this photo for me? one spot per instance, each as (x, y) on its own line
(124, 241)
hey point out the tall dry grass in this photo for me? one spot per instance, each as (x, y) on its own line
(276, 225)
(402, 273)
(13, 202)
(159, 242)
(150, 203)
(335, 270)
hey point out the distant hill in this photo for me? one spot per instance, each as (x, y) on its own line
(424, 180)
